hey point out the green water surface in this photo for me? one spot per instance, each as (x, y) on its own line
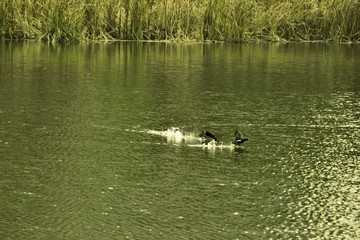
(77, 162)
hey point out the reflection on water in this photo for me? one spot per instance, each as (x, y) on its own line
(88, 150)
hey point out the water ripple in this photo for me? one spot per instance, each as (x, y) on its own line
(323, 202)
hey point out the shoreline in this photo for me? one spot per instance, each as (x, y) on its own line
(180, 41)
(182, 20)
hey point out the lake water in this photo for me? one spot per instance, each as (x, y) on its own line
(86, 152)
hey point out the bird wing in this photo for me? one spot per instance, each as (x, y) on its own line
(208, 136)
(238, 134)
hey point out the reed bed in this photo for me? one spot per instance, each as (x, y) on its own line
(216, 20)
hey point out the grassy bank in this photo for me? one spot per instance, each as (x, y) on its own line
(219, 20)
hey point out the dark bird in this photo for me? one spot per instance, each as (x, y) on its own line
(208, 136)
(239, 138)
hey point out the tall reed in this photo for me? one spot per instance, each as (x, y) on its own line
(223, 20)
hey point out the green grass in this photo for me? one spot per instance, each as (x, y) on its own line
(216, 20)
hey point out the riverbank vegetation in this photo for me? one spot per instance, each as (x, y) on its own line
(216, 20)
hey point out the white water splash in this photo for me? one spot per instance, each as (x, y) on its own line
(213, 145)
(175, 135)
